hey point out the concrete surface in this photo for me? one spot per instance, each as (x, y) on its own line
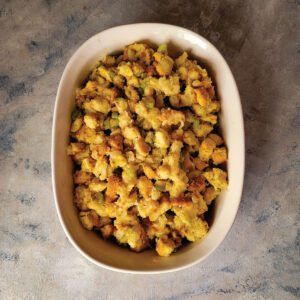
(260, 257)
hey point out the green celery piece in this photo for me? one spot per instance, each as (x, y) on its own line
(141, 90)
(106, 124)
(161, 188)
(101, 198)
(149, 105)
(119, 99)
(162, 48)
(196, 126)
(191, 117)
(130, 54)
(112, 75)
(143, 85)
(129, 172)
(115, 115)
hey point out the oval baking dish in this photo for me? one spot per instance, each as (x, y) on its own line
(88, 243)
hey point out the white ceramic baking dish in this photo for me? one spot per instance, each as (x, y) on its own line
(89, 244)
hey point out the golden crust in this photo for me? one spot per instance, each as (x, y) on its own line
(116, 141)
(147, 160)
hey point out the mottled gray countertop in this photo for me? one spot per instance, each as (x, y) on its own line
(260, 258)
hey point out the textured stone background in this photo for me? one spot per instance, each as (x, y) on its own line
(260, 257)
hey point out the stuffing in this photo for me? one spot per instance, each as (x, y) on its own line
(89, 219)
(93, 120)
(116, 142)
(210, 194)
(82, 197)
(169, 86)
(97, 185)
(202, 129)
(218, 140)
(130, 231)
(131, 133)
(117, 159)
(76, 124)
(75, 148)
(78, 151)
(202, 96)
(113, 183)
(138, 52)
(147, 153)
(162, 139)
(81, 177)
(165, 246)
(158, 227)
(219, 156)
(171, 117)
(206, 149)
(107, 231)
(98, 151)
(88, 165)
(89, 136)
(142, 147)
(100, 105)
(190, 138)
(150, 172)
(163, 63)
(217, 178)
(101, 168)
(181, 59)
(145, 186)
(193, 230)
(188, 98)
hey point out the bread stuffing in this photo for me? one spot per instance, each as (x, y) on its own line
(149, 158)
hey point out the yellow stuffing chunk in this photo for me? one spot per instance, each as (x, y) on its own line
(100, 105)
(193, 231)
(206, 149)
(142, 147)
(82, 197)
(75, 148)
(97, 185)
(158, 227)
(219, 156)
(78, 151)
(190, 138)
(217, 178)
(189, 97)
(218, 140)
(130, 231)
(76, 124)
(162, 139)
(171, 117)
(93, 120)
(181, 59)
(163, 64)
(90, 219)
(210, 194)
(165, 246)
(90, 136)
(107, 231)
(202, 96)
(169, 86)
(101, 168)
(81, 177)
